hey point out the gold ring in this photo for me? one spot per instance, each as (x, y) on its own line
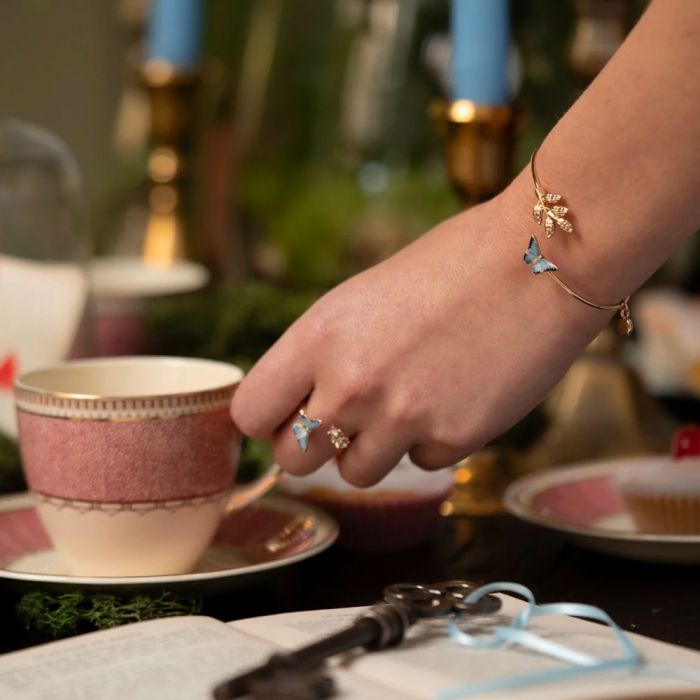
(339, 439)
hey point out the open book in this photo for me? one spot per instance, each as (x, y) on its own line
(184, 658)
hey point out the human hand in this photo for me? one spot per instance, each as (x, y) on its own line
(435, 351)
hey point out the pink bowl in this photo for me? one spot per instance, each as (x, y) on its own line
(401, 512)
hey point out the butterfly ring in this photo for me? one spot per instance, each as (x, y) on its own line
(303, 428)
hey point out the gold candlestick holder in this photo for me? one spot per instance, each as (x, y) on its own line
(172, 97)
(478, 146)
(599, 409)
(478, 142)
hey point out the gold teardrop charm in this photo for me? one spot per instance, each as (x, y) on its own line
(625, 326)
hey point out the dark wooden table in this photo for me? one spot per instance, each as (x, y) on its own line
(660, 601)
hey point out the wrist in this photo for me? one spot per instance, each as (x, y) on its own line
(577, 284)
(593, 265)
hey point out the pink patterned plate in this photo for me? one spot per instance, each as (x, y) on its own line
(582, 502)
(276, 531)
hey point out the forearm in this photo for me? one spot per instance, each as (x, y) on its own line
(626, 158)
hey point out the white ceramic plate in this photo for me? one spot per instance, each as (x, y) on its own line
(236, 556)
(134, 278)
(582, 502)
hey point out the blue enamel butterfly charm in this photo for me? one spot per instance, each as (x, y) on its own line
(303, 428)
(534, 255)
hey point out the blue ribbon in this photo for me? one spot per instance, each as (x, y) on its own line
(580, 663)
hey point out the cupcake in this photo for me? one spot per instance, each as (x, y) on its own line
(665, 499)
(400, 512)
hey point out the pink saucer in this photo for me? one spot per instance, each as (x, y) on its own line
(274, 532)
(582, 502)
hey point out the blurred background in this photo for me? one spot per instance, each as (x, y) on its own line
(236, 159)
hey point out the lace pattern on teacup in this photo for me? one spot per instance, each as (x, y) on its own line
(140, 508)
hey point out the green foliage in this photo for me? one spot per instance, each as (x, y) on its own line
(422, 197)
(63, 614)
(230, 323)
(326, 228)
(313, 229)
(11, 478)
(256, 457)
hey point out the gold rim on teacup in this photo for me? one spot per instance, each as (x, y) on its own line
(31, 397)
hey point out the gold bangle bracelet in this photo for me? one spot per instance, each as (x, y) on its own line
(550, 212)
(533, 256)
(625, 325)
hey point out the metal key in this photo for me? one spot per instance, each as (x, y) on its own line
(383, 626)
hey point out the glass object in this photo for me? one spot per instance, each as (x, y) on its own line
(43, 248)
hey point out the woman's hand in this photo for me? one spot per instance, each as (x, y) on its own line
(448, 343)
(435, 351)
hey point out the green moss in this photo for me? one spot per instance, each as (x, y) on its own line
(64, 614)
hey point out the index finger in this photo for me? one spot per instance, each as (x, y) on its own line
(274, 389)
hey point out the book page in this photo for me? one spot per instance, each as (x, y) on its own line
(429, 661)
(179, 658)
(184, 658)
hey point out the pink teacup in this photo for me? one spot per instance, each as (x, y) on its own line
(132, 460)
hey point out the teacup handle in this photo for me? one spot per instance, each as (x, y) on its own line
(243, 496)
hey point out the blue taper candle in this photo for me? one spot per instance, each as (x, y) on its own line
(480, 51)
(175, 33)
